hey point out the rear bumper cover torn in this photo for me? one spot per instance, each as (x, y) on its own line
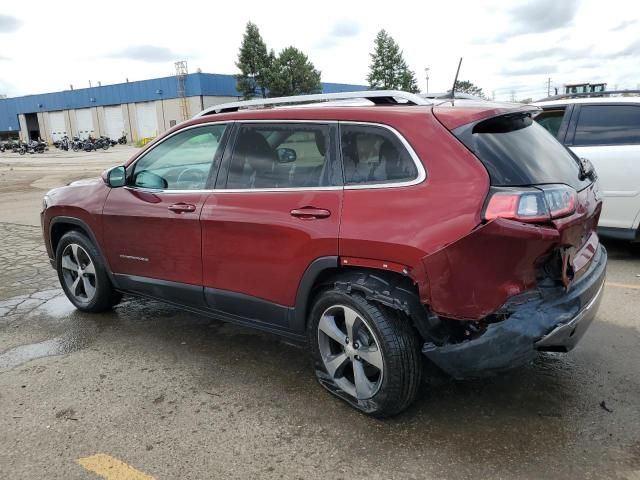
(554, 320)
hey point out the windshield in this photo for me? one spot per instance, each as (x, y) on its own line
(517, 151)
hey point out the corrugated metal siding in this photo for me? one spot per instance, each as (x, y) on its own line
(142, 91)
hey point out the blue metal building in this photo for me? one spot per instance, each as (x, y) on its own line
(196, 85)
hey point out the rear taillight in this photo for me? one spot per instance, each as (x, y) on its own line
(534, 204)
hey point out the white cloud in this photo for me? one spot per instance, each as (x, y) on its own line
(338, 39)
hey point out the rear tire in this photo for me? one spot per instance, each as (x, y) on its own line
(379, 370)
(82, 274)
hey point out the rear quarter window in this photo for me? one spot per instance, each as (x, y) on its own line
(374, 155)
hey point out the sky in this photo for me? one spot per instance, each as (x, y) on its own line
(509, 48)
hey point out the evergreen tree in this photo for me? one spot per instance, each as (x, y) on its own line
(388, 69)
(466, 86)
(292, 73)
(254, 63)
(408, 81)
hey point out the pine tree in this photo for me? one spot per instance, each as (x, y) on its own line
(388, 69)
(254, 63)
(465, 86)
(408, 81)
(292, 73)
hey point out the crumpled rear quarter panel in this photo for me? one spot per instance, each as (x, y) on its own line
(470, 278)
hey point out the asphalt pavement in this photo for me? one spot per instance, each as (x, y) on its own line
(149, 391)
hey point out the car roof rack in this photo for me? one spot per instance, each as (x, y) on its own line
(606, 93)
(377, 97)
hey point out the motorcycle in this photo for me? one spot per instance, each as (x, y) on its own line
(102, 142)
(63, 144)
(77, 144)
(88, 145)
(36, 146)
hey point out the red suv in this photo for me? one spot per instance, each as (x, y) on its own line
(373, 232)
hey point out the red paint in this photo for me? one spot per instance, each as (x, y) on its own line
(140, 224)
(260, 243)
(461, 112)
(252, 244)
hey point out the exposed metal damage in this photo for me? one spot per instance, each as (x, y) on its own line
(549, 319)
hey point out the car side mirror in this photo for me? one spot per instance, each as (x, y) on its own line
(286, 155)
(117, 177)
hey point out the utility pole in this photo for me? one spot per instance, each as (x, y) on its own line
(426, 72)
(513, 96)
(549, 87)
(181, 75)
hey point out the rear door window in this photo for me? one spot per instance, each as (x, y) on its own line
(273, 156)
(374, 155)
(608, 125)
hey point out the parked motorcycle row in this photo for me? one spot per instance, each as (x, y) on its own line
(15, 146)
(75, 144)
(88, 144)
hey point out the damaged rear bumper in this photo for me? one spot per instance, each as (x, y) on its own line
(551, 320)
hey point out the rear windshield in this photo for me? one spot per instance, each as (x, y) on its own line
(517, 151)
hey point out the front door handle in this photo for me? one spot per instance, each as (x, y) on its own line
(310, 213)
(182, 207)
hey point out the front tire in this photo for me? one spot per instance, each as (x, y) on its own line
(364, 353)
(82, 274)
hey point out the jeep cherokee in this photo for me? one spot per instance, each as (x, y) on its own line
(380, 235)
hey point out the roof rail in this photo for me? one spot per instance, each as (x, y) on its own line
(378, 97)
(606, 93)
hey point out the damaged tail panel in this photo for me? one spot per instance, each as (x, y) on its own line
(516, 284)
(523, 287)
(551, 320)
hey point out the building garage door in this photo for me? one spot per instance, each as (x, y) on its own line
(114, 123)
(147, 120)
(84, 121)
(57, 128)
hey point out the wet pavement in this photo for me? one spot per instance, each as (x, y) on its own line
(183, 396)
(177, 395)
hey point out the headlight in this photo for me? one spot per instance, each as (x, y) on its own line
(45, 203)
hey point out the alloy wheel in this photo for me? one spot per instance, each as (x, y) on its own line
(350, 352)
(79, 273)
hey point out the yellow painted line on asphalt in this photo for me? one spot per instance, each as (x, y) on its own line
(622, 285)
(111, 468)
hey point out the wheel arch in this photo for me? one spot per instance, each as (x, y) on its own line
(391, 289)
(58, 226)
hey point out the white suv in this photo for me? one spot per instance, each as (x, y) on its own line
(606, 131)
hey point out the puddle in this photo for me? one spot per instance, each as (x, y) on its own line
(81, 333)
(57, 307)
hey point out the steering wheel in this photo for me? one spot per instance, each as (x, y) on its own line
(191, 176)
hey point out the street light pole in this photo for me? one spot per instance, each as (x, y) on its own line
(426, 72)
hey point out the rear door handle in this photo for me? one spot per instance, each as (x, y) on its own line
(182, 207)
(310, 213)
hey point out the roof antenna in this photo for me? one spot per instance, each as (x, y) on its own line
(455, 80)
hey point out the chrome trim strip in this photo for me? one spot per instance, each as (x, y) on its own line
(422, 174)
